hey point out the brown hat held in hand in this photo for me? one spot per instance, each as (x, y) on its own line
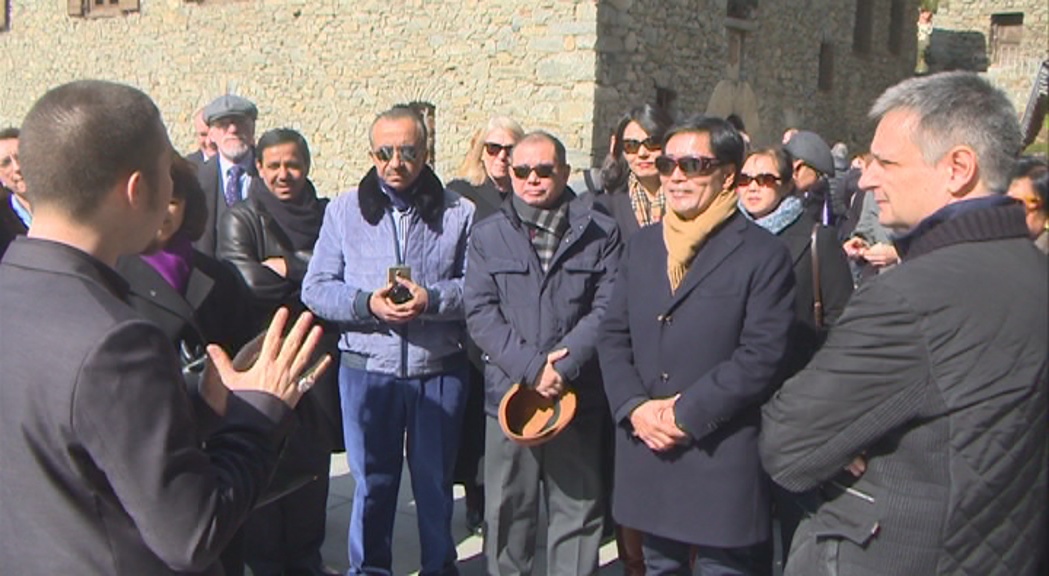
(530, 419)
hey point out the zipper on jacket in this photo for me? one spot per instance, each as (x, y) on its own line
(403, 371)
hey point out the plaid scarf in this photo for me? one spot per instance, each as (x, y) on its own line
(645, 210)
(546, 227)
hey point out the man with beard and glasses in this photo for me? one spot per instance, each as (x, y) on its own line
(388, 268)
(227, 177)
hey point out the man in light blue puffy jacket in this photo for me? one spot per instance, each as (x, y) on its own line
(388, 267)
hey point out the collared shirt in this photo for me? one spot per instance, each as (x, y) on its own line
(245, 179)
(23, 214)
(401, 214)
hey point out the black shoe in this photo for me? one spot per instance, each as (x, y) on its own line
(474, 521)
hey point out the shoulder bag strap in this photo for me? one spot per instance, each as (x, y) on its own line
(817, 293)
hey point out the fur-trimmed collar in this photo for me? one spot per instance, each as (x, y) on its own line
(427, 198)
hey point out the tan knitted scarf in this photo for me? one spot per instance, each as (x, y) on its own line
(685, 237)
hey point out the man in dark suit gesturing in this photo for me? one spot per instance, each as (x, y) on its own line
(107, 468)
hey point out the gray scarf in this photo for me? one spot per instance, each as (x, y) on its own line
(546, 227)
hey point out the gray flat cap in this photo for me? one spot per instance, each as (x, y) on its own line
(811, 149)
(229, 105)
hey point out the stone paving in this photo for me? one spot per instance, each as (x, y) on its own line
(405, 536)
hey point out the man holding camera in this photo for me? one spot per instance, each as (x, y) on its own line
(388, 267)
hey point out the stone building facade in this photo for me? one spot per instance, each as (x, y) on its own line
(326, 67)
(1005, 39)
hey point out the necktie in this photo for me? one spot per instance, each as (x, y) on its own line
(233, 185)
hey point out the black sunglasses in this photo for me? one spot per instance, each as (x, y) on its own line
(494, 148)
(541, 170)
(764, 180)
(631, 146)
(408, 153)
(690, 165)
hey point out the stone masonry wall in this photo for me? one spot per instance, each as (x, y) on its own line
(325, 67)
(684, 46)
(965, 25)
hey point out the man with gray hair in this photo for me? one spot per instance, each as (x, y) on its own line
(931, 389)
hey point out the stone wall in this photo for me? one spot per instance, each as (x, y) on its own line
(964, 30)
(686, 47)
(325, 67)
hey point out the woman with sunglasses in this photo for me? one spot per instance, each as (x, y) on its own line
(484, 175)
(767, 196)
(484, 178)
(1030, 185)
(633, 195)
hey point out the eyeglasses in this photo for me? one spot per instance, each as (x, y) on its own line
(408, 153)
(763, 180)
(631, 146)
(690, 165)
(541, 170)
(7, 161)
(494, 148)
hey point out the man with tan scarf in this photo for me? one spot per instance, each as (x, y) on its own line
(690, 347)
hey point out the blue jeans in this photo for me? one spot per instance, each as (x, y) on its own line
(378, 411)
(664, 556)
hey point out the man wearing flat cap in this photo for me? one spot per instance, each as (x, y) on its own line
(227, 177)
(813, 163)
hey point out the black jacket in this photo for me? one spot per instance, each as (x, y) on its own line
(248, 236)
(106, 471)
(835, 286)
(937, 372)
(213, 310)
(616, 203)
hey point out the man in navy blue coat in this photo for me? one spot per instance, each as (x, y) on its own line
(690, 344)
(538, 281)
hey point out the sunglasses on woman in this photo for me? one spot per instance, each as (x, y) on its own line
(541, 170)
(690, 165)
(763, 180)
(631, 146)
(494, 148)
(408, 153)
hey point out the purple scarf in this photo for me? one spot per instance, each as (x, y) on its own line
(173, 261)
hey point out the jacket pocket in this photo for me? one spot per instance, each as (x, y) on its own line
(849, 512)
(580, 282)
(507, 266)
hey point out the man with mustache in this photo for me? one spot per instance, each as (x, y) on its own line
(388, 268)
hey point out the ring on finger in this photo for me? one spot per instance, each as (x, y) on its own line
(304, 384)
